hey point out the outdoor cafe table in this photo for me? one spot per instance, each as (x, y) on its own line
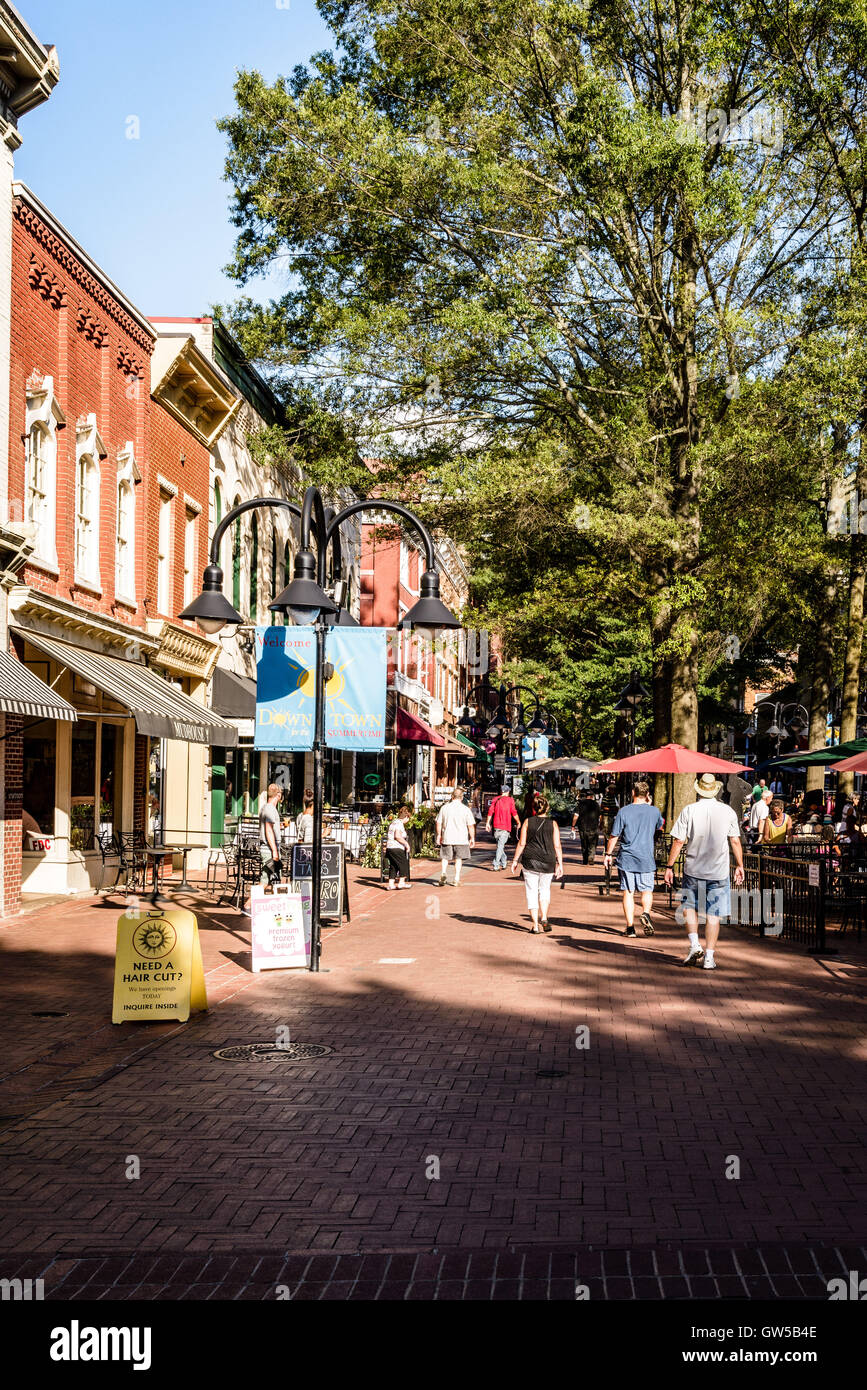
(158, 852)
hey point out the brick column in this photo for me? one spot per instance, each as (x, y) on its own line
(12, 755)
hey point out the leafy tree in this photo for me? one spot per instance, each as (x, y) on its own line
(540, 265)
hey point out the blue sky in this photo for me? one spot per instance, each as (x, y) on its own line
(153, 211)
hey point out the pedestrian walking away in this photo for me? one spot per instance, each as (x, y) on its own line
(397, 851)
(456, 835)
(501, 813)
(635, 829)
(586, 818)
(708, 828)
(540, 854)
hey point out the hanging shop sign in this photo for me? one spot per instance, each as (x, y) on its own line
(158, 971)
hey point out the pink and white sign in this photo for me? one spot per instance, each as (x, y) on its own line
(280, 925)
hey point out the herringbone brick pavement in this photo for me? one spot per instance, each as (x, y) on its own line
(455, 1142)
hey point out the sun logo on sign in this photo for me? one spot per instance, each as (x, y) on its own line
(155, 937)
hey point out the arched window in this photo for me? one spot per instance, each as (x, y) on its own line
(217, 505)
(89, 448)
(87, 519)
(124, 550)
(42, 417)
(254, 568)
(287, 576)
(37, 484)
(124, 581)
(236, 560)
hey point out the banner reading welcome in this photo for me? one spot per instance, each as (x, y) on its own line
(285, 674)
(354, 697)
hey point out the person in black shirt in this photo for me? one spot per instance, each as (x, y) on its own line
(586, 817)
(540, 854)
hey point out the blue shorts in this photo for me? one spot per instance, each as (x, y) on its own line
(708, 896)
(632, 882)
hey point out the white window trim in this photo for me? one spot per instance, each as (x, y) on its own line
(88, 444)
(127, 473)
(191, 516)
(167, 498)
(43, 409)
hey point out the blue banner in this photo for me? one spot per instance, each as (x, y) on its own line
(285, 675)
(355, 695)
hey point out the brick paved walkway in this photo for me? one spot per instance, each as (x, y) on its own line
(453, 1033)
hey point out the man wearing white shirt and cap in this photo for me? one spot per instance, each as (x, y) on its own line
(708, 827)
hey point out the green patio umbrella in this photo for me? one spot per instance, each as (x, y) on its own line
(481, 755)
(821, 756)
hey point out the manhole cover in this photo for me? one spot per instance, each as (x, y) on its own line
(269, 1051)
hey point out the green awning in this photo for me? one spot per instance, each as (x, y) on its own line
(820, 757)
(481, 755)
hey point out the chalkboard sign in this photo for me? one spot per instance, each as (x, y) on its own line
(333, 876)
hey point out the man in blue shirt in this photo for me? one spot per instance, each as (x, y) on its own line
(636, 827)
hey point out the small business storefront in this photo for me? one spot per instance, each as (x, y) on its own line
(125, 762)
(240, 776)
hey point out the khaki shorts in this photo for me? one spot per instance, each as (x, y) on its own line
(450, 852)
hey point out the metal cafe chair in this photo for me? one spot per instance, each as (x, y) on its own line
(132, 863)
(244, 866)
(106, 844)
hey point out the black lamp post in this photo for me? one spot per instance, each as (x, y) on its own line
(308, 604)
(797, 723)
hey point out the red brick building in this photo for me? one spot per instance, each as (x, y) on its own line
(110, 484)
(427, 678)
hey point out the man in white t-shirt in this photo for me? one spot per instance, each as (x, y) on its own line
(456, 834)
(708, 827)
(759, 813)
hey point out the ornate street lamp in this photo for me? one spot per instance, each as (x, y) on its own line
(308, 604)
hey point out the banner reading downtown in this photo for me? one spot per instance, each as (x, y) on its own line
(354, 697)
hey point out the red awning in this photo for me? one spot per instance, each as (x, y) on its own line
(410, 729)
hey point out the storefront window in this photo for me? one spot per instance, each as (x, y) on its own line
(82, 804)
(156, 785)
(40, 760)
(373, 776)
(110, 763)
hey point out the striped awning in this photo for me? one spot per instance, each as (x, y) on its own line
(159, 709)
(23, 693)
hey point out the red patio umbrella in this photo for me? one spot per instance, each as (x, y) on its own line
(857, 763)
(671, 757)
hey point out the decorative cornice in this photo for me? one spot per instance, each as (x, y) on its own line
(30, 608)
(186, 653)
(43, 279)
(165, 486)
(192, 505)
(191, 389)
(88, 439)
(53, 239)
(91, 328)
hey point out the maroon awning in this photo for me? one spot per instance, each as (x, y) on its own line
(410, 729)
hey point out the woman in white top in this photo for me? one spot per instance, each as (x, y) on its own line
(397, 851)
(304, 824)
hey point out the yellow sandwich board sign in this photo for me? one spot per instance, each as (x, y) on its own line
(158, 970)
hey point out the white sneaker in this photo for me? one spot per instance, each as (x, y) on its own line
(709, 964)
(695, 957)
